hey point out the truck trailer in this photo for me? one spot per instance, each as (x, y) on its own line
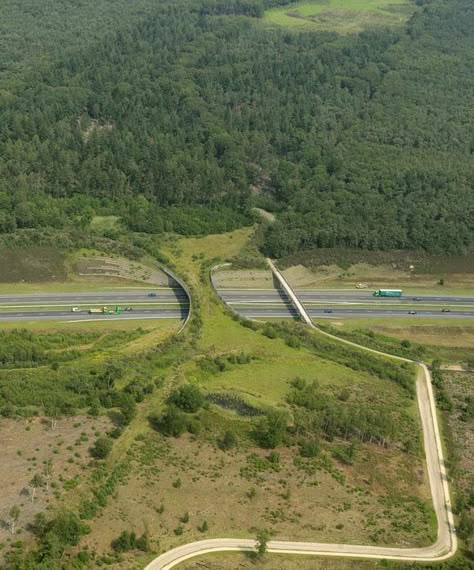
(388, 293)
(106, 311)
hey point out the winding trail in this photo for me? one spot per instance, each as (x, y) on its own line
(446, 542)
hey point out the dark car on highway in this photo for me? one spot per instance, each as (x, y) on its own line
(445, 310)
(152, 294)
(417, 298)
(328, 310)
(412, 312)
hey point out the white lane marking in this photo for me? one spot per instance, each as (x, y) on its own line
(137, 318)
(94, 304)
(150, 288)
(276, 300)
(238, 290)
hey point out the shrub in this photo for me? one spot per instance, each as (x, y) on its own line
(187, 398)
(128, 541)
(274, 457)
(270, 332)
(345, 454)
(125, 542)
(263, 536)
(309, 448)
(116, 432)
(128, 407)
(143, 542)
(298, 383)
(293, 341)
(172, 423)
(194, 426)
(67, 528)
(271, 430)
(344, 395)
(227, 441)
(101, 448)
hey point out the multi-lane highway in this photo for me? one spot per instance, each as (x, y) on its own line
(119, 296)
(135, 304)
(313, 296)
(45, 315)
(271, 303)
(250, 303)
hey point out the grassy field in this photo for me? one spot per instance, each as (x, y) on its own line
(82, 286)
(342, 16)
(104, 223)
(452, 333)
(275, 365)
(45, 416)
(98, 325)
(248, 279)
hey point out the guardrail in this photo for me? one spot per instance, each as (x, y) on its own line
(184, 287)
(290, 294)
(216, 290)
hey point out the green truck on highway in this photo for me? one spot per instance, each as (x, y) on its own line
(388, 293)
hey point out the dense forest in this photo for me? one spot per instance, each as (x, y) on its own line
(182, 116)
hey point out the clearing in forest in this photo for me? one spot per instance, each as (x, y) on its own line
(342, 16)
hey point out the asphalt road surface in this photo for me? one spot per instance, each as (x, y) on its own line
(164, 304)
(275, 304)
(248, 303)
(46, 315)
(307, 296)
(176, 295)
(287, 311)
